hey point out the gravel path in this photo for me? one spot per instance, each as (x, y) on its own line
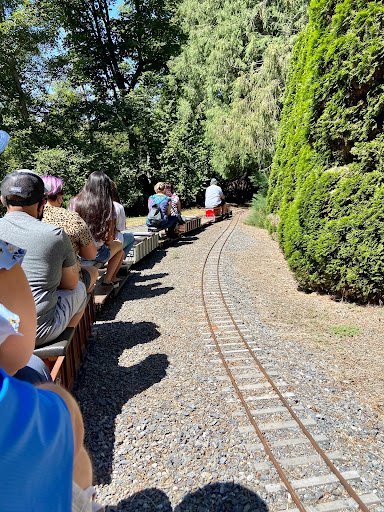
(153, 397)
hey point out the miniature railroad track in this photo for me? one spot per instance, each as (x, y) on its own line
(297, 456)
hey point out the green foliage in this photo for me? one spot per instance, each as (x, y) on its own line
(232, 72)
(185, 159)
(174, 90)
(327, 181)
(258, 215)
(80, 89)
(70, 166)
(112, 53)
(27, 30)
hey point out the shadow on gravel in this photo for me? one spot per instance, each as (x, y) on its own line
(139, 278)
(218, 497)
(104, 387)
(133, 290)
(151, 260)
(183, 242)
(144, 291)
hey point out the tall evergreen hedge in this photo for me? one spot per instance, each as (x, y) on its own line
(327, 180)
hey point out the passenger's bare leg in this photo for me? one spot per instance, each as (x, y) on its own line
(82, 469)
(225, 208)
(94, 273)
(114, 278)
(116, 248)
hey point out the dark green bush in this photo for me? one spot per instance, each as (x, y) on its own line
(327, 180)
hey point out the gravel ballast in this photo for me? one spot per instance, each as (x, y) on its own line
(160, 427)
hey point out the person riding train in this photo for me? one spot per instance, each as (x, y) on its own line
(162, 202)
(176, 203)
(95, 206)
(214, 197)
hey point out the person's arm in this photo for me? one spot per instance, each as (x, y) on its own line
(69, 278)
(88, 252)
(16, 295)
(179, 206)
(169, 208)
(111, 231)
(69, 269)
(120, 217)
(85, 241)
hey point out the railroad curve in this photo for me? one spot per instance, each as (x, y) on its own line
(163, 424)
(283, 434)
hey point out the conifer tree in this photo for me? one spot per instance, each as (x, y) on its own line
(232, 73)
(327, 182)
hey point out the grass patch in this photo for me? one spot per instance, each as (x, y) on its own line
(131, 222)
(194, 212)
(345, 330)
(322, 341)
(258, 215)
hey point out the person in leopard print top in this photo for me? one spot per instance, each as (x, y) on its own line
(77, 230)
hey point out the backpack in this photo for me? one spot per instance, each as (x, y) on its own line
(155, 215)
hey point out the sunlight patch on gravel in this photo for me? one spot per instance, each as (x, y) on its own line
(343, 333)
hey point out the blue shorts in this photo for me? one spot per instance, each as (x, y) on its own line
(102, 256)
(35, 372)
(169, 222)
(85, 277)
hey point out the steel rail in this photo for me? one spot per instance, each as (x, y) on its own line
(352, 493)
(279, 469)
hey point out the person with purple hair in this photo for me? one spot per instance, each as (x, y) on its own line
(75, 227)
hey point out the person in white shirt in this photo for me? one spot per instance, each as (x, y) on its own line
(127, 239)
(214, 196)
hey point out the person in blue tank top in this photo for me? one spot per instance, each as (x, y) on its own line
(36, 448)
(43, 464)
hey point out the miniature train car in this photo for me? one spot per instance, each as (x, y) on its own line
(145, 242)
(190, 224)
(216, 214)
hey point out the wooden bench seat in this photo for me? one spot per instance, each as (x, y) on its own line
(63, 356)
(59, 347)
(60, 358)
(104, 292)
